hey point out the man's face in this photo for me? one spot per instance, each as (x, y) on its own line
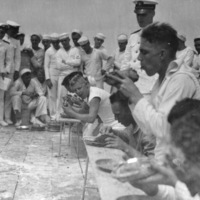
(26, 78)
(65, 43)
(46, 43)
(86, 47)
(197, 46)
(35, 41)
(55, 44)
(12, 31)
(2, 33)
(41, 76)
(145, 19)
(149, 57)
(21, 39)
(97, 43)
(75, 38)
(122, 46)
(122, 113)
(81, 88)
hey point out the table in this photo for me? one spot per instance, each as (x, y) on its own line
(109, 187)
(70, 121)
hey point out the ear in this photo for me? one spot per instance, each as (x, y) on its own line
(163, 54)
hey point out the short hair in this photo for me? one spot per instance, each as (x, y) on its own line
(182, 107)
(118, 97)
(161, 33)
(185, 134)
(68, 78)
(35, 35)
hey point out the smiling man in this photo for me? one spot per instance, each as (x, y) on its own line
(159, 44)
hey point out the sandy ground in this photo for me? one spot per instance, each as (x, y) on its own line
(30, 168)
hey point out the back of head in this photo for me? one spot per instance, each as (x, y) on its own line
(161, 34)
(183, 107)
(185, 133)
(118, 97)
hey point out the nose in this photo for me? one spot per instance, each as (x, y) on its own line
(139, 57)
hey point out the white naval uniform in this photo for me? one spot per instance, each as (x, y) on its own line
(39, 103)
(180, 82)
(186, 55)
(145, 82)
(119, 57)
(67, 62)
(52, 73)
(5, 65)
(15, 66)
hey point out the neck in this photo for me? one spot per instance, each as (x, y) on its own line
(67, 48)
(35, 48)
(90, 50)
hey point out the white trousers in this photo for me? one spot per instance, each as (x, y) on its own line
(2, 105)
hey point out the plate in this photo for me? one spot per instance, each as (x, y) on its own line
(107, 165)
(23, 127)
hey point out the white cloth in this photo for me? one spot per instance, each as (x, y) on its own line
(93, 64)
(179, 83)
(186, 55)
(67, 62)
(180, 192)
(119, 57)
(196, 62)
(52, 73)
(39, 103)
(145, 82)
(105, 111)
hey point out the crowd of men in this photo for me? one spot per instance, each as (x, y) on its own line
(141, 113)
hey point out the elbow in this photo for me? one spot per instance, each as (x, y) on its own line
(91, 119)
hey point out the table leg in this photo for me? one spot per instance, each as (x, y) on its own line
(70, 126)
(85, 178)
(60, 143)
(78, 140)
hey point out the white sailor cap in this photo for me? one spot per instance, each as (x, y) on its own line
(100, 36)
(64, 36)
(83, 40)
(122, 37)
(54, 36)
(181, 37)
(46, 37)
(24, 71)
(12, 23)
(2, 24)
(143, 6)
(77, 31)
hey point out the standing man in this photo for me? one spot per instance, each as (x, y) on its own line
(5, 65)
(76, 35)
(51, 73)
(92, 61)
(13, 74)
(184, 53)
(145, 12)
(122, 40)
(99, 40)
(68, 60)
(46, 41)
(196, 61)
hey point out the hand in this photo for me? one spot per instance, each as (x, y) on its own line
(163, 175)
(49, 83)
(16, 75)
(67, 110)
(115, 142)
(105, 129)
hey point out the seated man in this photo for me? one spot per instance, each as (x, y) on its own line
(138, 142)
(27, 91)
(178, 181)
(97, 99)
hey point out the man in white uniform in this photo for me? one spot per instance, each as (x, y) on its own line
(184, 53)
(99, 40)
(92, 61)
(68, 60)
(176, 81)
(145, 11)
(52, 73)
(26, 90)
(5, 66)
(46, 41)
(122, 40)
(13, 73)
(196, 61)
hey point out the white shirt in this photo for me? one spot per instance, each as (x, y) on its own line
(105, 111)
(145, 82)
(119, 57)
(151, 116)
(180, 192)
(186, 55)
(50, 63)
(68, 61)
